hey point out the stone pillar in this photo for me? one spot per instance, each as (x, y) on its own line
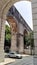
(34, 12)
(21, 43)
(13, 42)
(0, 28)
(2, 35)
(21, 47)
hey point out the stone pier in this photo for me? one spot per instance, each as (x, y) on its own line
(34, 14)
(2, 37)
(13, 42)
(21, 42)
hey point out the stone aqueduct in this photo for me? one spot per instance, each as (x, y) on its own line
(4, 7)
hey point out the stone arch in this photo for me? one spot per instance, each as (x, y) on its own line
(5, 7)
(3, 13)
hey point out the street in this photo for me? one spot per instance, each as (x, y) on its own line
(27, 60)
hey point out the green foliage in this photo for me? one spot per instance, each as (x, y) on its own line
(7, 29)
(7, 36)
(32, 39)
(29, 39)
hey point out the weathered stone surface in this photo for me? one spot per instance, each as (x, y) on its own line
(4, 7)
(34, 11)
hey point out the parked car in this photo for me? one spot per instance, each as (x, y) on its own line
(14, 55)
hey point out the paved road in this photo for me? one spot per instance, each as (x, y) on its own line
(28, 60)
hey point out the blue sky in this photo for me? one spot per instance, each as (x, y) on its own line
(25, 9)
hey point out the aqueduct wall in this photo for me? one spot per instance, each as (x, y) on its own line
(4, 7)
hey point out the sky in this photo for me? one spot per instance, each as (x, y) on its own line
(25, 9)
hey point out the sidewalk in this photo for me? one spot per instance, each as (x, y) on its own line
(24, 55)
(7, 60)
(10, 60)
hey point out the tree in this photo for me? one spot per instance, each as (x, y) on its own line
(7, 36)
(32, 41)
(29, 40)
